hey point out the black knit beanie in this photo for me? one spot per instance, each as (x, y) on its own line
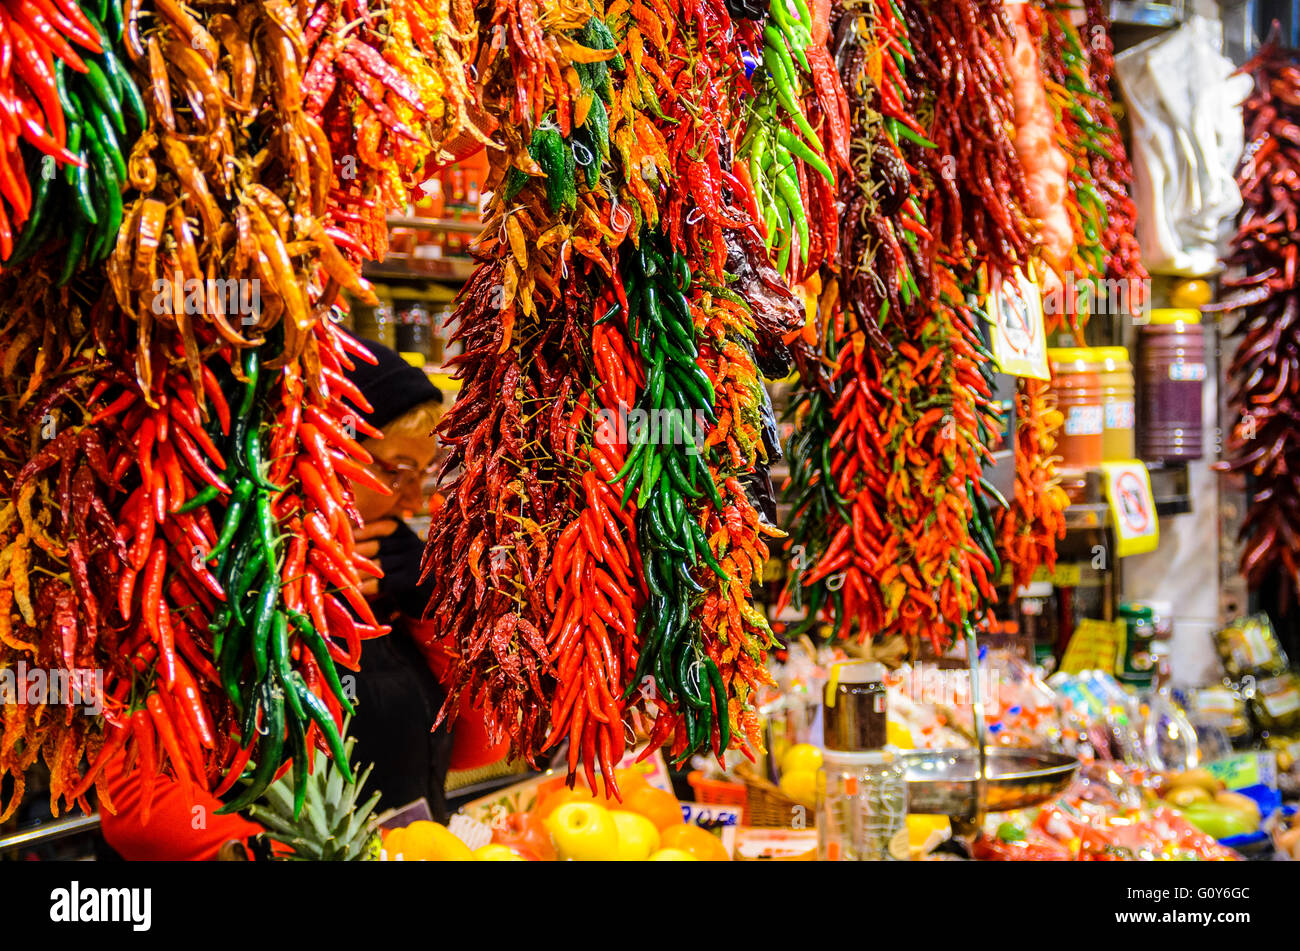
(392, 386)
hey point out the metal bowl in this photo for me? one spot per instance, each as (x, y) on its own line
(942, 782)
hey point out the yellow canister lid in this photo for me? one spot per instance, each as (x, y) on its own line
(1111, 354)
(1064, 355)
(1175, 315)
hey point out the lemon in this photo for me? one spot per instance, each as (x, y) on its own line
(426, 841)
(898, 735)
(925, 832)
(802, 757)
(800, 785)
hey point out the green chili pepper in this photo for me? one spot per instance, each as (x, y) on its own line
(317, 710)
(269, 753)
(103, 93)
(234, 512)
(907, 132)
(208, 493)
(315, 642)
(301, 760)
(284, 665)
(799, 148)
(266, 612)
(76, 246)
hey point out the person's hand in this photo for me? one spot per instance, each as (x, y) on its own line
(367, 538)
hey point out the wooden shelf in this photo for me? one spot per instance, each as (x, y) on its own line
(435, 224)
(454, 270)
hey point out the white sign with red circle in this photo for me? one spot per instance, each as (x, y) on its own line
(1132, 509)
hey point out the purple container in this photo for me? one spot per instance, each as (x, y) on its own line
(1170, 376)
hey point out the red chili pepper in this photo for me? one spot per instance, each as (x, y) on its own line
(170, 742)
(331, 430)
(190, 746)
(142, 729)
(212, 389)
(154, 608)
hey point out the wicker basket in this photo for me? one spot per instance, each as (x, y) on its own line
(767, 806)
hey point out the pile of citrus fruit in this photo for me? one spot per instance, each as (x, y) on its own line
(574, 825)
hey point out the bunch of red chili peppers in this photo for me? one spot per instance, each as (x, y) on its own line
(184, 487)
(598, 550)
(887, 456)
(1265, 371)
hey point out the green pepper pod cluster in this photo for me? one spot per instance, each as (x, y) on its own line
(104, 112)
(253, 629)
(667, 470)
(770, 147)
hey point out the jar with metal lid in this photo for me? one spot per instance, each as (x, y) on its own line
(1076, 383)
(1171, 372)
(854, 715)
(1115, 375)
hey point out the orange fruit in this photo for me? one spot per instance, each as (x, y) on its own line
(658, 806)
(701, 843)
(629, 779)
(554, 800)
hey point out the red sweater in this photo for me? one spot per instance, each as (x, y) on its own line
(181, 828)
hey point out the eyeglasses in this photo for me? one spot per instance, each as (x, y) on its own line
(401, 471)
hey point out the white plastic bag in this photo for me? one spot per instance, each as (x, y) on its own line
(1185, 108)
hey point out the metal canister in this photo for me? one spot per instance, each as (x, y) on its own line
(1117, 392)
(1076, 381)
(854, 717)
(1170, 376)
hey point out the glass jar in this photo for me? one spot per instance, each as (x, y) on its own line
(861, 805)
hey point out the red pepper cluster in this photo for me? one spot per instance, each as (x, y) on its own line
(1265, 371)
(34, 34)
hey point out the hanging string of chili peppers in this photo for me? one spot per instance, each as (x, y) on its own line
(837, 457)
(1263, 371)
(530, 560)
(1082, 134)
(1111, 169)
(910, 423)
(617, 124)
(223, 439)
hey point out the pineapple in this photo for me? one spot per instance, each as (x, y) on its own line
(324, 826)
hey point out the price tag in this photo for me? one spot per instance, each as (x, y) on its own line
(1067, 575)
(1132, 509)
(1016, 313)
(1246, 769)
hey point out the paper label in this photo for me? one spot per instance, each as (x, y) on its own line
(1246, 769)
(1095, 645)
(1119, 415)
(1016, 313)
(1132, 509)
(1187, 372)
(1084, 421)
